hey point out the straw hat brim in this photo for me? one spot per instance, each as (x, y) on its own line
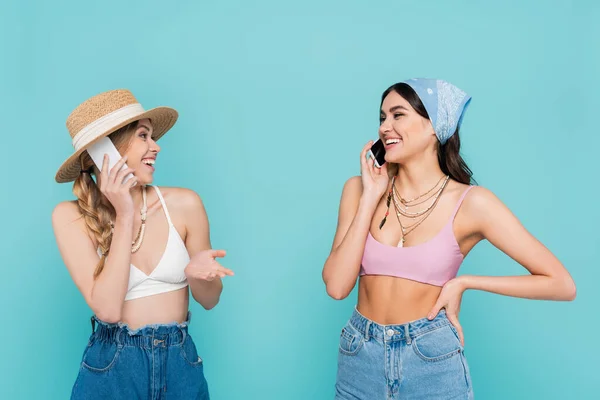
(162, 118)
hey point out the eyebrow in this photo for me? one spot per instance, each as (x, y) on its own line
(144, 126)
(396, 108)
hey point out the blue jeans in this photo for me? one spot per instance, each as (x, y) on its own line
(418, 360)
(152, 362)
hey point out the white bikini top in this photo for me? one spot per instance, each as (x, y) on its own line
(168, 274)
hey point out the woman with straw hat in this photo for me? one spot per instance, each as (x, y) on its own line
(133, 250)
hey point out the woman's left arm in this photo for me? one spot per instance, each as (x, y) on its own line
(490, 219)
(203, 272)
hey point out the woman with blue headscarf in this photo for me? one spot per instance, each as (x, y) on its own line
(404, 228)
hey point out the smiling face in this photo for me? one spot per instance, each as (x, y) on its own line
(134, 141)
(403, 130)
(142, 152)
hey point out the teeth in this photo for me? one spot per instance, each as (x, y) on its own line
(390, 141)
(148, 162)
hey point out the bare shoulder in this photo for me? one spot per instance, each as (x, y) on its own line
(181, 198)
(482, 207)
(480, 199)
(353, 187)
(64, 213)
(67, 222)
(187, 212)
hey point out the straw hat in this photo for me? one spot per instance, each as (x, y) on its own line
(103, 114)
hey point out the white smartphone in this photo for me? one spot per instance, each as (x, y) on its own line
(106, 146)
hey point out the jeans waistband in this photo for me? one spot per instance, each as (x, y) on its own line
(406, 331)
(147, 336)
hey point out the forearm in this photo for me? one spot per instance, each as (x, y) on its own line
(207, 293)
(537, 287)
(110, 287)
(343, 264)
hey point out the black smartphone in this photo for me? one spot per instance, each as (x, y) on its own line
(377, 153)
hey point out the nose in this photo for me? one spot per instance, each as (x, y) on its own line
(385, 127)
(154, 147)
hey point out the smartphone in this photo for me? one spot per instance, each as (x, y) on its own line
(377, 153)
(106, 146)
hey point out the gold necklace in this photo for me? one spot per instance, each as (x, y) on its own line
(408, 229)
(417, 214)
(404, 201)
(137, 242)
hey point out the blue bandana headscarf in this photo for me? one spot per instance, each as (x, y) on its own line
(444, 102)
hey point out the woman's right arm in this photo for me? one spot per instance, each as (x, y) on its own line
(360, 198)
(105, 295)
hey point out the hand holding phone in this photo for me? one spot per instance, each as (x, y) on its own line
(106, 146)
(377, 153)
(374, 176)
(116, 189)
(116, 178)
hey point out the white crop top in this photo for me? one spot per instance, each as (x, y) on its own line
(168, 274)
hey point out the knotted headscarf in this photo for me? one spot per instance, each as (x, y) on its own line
(444, 102)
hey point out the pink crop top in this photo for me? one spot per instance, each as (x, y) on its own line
(434, 262)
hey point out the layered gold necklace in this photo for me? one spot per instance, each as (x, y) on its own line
(403, 206)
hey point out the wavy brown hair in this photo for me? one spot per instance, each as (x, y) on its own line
(449, 158)
(93, 205)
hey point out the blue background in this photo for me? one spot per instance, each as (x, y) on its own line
(264, 90)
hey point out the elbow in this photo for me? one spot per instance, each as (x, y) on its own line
(209, 306)
(563, 289)
(337, 295)
(109, 317)
(106, 309)
(338, 286)
(336, 292)
(569, 290)
(108, 314)
(207, 303)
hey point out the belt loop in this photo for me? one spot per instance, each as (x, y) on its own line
(118, 335)
(407, 334)
(93, 321)
(367, 330)
(183, 335)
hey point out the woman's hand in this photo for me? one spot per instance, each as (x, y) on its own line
(204, 266)
(116, 190)
(450, 299)
(374, 180)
